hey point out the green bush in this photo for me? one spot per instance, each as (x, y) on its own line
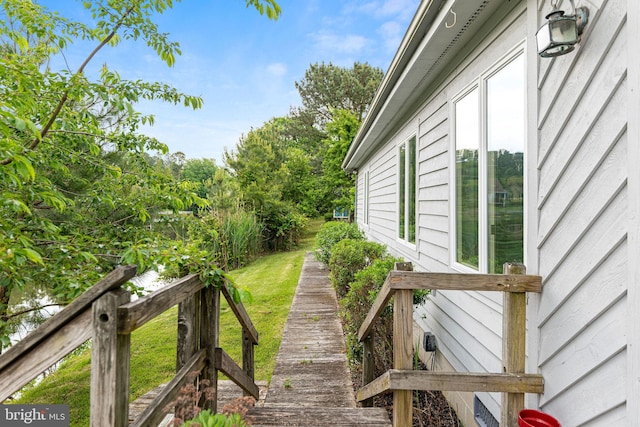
(207, 419)
(355, 306)
(349, 256)
(333, 232)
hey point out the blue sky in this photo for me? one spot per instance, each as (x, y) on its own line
(244, 65)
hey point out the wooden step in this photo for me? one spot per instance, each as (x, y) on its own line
(318, 417)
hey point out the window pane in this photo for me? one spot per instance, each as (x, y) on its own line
(366, 197)
(411, 194)
(467, 144)
(402, 191)
(505, 165)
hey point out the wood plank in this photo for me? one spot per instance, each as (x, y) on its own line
(155, 412)
(110, 357)
(379, 304)
(241, 314)
(305, 416)
(464, 282)
(395, 379)
(227, 366)
(375, 387)
(514, 333)
(137, 313)
(403, 354)
(209, 337)
(368, 366)
(57, 345)
(465, 381)
(115, 279)
(188, 328)
(248, 355)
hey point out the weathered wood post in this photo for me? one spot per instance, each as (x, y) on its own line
(110, 356)
(188, 328)
(209, 337)
(248, 359)
(403, 349)
(368, 366)
(188, 342)
(514, 325)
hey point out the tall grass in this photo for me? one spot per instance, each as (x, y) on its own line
(234, 236)
(240, 238)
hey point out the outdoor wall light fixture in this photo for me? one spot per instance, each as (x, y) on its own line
(561, 32)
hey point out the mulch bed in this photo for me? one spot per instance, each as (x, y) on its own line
(430, 408)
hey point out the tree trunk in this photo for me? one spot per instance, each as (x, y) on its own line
(5, 294)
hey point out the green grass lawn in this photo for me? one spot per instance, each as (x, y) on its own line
(272, 281)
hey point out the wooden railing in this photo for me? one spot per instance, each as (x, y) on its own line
(403, 380)
(106, 315)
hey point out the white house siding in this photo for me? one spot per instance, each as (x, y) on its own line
(468, 324)
(583, 221)
(583, 216)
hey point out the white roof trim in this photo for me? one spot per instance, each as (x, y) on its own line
(429, 43)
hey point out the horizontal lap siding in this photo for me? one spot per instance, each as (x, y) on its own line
(383, 195)
(583, 224)
(468, 325)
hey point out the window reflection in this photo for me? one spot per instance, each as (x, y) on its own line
(505, 165)
(467, 144)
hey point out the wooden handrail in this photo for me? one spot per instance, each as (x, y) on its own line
(113, 280)
(155, 412)
(105, 313)
(513, 382)
(55, 338)
(414, 280)
(241, 314)
(395, 379)
(136, 313)
(464, 282)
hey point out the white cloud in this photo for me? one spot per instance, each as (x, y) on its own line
(391, 33)
(277, 69)
(332, 42)
(403, 9)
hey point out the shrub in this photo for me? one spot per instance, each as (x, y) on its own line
(207, 419)
(333, 232)
(349, 256)
(356, 305)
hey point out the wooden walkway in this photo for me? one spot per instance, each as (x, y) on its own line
(311, 383)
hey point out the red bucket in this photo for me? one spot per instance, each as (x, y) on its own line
(533, 418)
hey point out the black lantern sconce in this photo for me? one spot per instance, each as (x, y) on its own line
(561, 32)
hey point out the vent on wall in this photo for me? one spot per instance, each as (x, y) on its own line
(483, 417)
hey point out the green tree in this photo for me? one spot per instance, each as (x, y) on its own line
(77, 190)
(267, 170)
(200, 172)
(339, 186)
(326, 88)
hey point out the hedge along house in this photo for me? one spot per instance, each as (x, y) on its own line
(477, 151)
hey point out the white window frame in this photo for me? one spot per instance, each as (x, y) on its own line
(480, 83)
(365, 198)
(405, 240)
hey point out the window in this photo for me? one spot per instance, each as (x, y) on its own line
(365, 216)
(489, 135)
(407, 191)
